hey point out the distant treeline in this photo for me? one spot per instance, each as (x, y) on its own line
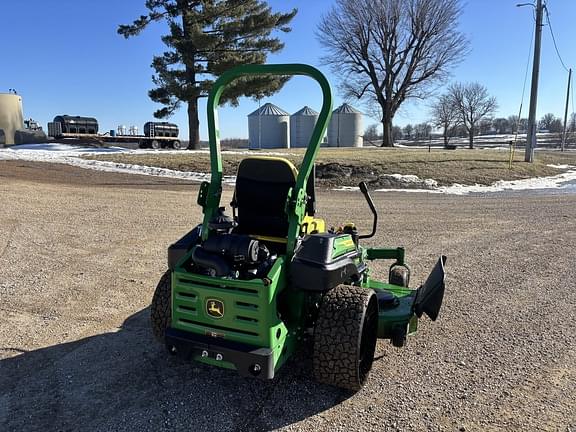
(497, 126)
(227, 143)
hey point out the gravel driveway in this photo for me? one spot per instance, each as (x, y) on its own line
(81, 252)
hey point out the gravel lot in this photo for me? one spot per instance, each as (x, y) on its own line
(81, 252)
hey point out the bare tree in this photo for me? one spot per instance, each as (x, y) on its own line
(546, 121)
(485, 126)
(397, 133)
(474, 104)
(513, 123)
(422, 131)
(571, 130)
(502, 125)
(445, 115)
(408, 129)
(460, 131)
(557, 126)
(389, 51)
(523, 125)
(371, 133)
(551, 123)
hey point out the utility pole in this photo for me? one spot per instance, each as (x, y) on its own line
(566, 110)
(531, 136)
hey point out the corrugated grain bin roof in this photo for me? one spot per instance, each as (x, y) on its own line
(346, 109)
(269, 109)
(306, 111)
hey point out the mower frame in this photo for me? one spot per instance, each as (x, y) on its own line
(253, 334)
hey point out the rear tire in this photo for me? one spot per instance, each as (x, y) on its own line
(176, 145)
(345, 337)
(155, 144)
(161, 308)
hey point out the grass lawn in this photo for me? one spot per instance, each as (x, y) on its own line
(346, 167)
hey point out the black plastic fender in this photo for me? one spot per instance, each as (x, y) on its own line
(180, 248)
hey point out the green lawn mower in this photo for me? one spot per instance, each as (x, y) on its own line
(247, 290)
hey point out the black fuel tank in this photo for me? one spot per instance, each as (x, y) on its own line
(323, 261)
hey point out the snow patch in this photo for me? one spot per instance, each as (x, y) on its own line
(553, 182)
(72, 155)
(413, 179)
(57, 147)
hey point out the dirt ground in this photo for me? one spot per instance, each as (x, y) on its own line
(81, 252)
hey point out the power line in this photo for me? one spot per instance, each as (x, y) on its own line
(527, 68)
(572, 94)
(513, 146)
(554, 38)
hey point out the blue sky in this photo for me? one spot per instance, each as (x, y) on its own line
(65, 57)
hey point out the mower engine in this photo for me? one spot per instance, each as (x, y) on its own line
(236, 256)
(233, 255)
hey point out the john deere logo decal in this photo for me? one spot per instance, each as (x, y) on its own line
(215, 308)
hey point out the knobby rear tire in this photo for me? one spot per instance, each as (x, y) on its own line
(161, 308)
(345, 337)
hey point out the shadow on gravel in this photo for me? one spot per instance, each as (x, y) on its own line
(125, 381)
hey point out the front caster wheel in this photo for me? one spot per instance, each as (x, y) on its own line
(399, 275)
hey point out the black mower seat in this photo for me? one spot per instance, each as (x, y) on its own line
(262, 185)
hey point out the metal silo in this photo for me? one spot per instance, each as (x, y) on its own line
(345, 129)
(11, 117)
(301, 127)
(269, 127)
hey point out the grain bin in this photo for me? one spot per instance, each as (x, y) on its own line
(345, 129)
(11, 117)
(301, 127)
(269, 127)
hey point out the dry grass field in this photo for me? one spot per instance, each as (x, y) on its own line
(346, 167)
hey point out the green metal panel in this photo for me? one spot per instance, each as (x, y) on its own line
(250, 314)
(386, 253)
(398, 291)
(401, 315)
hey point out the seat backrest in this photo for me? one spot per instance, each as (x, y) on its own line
(262, 185)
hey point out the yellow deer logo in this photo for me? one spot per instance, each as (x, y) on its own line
(215, 308)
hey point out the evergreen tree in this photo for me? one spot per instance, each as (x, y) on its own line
(206, 38)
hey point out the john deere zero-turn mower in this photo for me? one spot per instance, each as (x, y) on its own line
(246, 289)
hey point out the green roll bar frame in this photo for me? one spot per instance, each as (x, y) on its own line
(210, 193)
